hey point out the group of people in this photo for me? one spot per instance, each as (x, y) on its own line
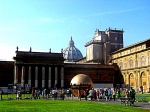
(48, 93)
(92, 94)
(130, 93)
(101, 94)
(36, 93)
(107, 94)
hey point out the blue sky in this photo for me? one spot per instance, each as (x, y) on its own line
(45, 24)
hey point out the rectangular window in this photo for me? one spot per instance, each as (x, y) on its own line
(132, 84)
(120, 53)
(115, 38)
(144, 83)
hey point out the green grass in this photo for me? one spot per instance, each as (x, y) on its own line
(63, 106)
(147, 97)
(139, 94)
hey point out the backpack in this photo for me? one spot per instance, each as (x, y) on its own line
(132, 92)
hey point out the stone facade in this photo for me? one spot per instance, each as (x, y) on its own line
(39, 69)
(47, 70)
(103, 43)
(134, 63)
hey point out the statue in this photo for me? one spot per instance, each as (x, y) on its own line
(50, 50)
(30, 49)
(61, 50)
(17, 49)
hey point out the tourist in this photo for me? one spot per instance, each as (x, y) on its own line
(91, 93)
(132, 93)
(45, 93)
(98, 94)
(127, 93)
(109, 94)
(114, 94)
(33, 93)
(18, 94)
(85, 94)
(94, 95)
(102, 93)
(38, 94)
(118, 93)
(106, 94)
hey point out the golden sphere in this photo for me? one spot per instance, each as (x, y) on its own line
(82, 82)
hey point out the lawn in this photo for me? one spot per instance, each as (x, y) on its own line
(63, 106)
(139, 94)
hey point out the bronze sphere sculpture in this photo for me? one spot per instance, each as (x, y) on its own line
(80, 83)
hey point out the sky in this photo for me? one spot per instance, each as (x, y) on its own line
(45, 24)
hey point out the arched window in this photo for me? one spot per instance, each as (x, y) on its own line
(125, 65)
(131, 63)
(121, 65)
(142, 61)
(131, 80)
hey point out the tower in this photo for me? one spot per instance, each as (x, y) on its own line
(98, 50)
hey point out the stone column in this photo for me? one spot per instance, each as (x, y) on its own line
(139, 79)
(29, 77)
(49, 77)
(124, 77)
(15, 74)
(43, 77)
(136, 80)
(128, 76)
(56, 75)
(22, 76)
(148, 80)
(62, 77)
(36, 76)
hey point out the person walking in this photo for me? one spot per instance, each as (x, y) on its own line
(102, 93)
(127, 93)
(18, 94)
(85, 94)
(114, 94)
(91, 93)
(33, 93)
(98, 95)
(106, 94)
(132, 93)
(109, 94)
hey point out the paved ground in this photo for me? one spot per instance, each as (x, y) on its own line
(145, 105)
(136, 104)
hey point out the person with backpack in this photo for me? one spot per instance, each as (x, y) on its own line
(132, 93)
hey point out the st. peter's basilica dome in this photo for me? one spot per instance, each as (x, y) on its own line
(71, 53)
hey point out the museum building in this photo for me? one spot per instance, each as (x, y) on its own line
(134, 64)
(49, 69)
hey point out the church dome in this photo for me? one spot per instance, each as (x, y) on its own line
(71, 53)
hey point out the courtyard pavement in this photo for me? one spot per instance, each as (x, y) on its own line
(145, 105)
